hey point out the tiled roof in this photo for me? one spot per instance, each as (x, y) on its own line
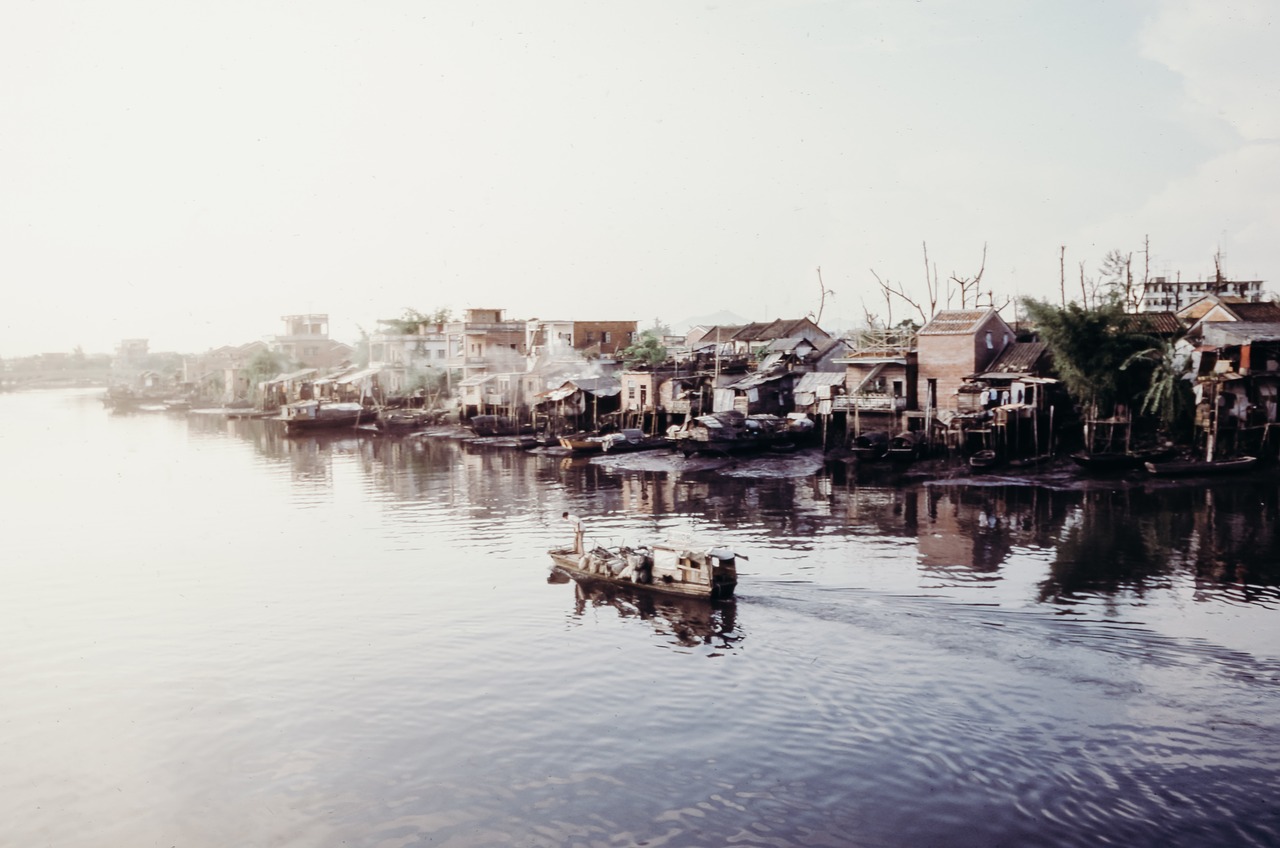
(1018, 358)
(1256, 311)
(954, 322)
(1157, 323)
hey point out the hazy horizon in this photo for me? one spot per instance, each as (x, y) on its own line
(189, 173)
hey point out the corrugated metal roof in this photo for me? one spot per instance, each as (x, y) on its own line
(598, 386)
(1218, 333)
(292, 375)
(811, 381)
(757, 379)
(955, 322)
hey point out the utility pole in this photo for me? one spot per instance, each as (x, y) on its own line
(1062, 273)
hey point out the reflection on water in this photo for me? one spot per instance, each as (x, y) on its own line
(685, 622)
(215, 635)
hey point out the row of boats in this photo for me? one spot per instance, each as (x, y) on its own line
(733, 432)
(1159, 461)
(721, 433)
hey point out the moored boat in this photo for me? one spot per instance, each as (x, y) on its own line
(309, 415)
(497, 425)
(868, 447)
(694, 570)
(1201, 467)
(401, 421)
(907, 446)
(631, 439)
(582, 442)
(1122, 460)
(984, 459)
(728, 432)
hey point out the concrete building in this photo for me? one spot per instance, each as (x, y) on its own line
(1161, 294)
(408, 356)
(306, 343)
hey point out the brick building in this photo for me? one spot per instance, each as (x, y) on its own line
(956, 344)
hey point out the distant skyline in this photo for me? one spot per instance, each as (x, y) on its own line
(188, 173)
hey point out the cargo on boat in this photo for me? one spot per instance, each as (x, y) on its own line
(695, 570)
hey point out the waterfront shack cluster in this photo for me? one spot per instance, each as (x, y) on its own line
(966, 384)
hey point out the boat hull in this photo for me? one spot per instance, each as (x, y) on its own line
(326, 417)
(706, 580)
(1202, 468)
(1106, 462)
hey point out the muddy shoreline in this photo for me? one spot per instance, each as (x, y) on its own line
(1058, 473)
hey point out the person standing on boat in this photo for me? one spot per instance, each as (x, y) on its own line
(576, 523)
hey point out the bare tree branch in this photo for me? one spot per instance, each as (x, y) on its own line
(822, 298)
(888, 288)
(969, 285)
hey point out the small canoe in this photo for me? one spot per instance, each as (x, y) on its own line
(1121, 460)
(1201, 468)
(984, 459)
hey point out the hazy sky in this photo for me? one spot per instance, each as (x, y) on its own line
(189, 172)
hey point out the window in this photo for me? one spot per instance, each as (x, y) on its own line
(604, 337)
(990, 344)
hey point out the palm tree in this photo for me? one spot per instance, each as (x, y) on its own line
(1168, 396)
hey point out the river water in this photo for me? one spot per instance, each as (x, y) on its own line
(213, 635)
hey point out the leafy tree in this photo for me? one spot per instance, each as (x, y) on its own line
(660, 328)
(410, 319)
(264, 365)
(646, 350)
(1090, 349)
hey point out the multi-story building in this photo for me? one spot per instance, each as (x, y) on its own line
(408, 355)
(305, 341)
(603, 338)
(1161, 294)
(956, 344)
(483, 342)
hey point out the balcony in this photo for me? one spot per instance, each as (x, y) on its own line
(869, 402)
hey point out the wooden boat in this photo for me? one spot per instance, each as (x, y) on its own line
(400, 421)
(1201, 468)
(310, 415)
(1030, 461)
(728, 433)
(906, 446)
(869, 447)
(693, 570)
(984, 459)
(631, 439)
(497, 425)
(582, 443)
(1122, 460)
